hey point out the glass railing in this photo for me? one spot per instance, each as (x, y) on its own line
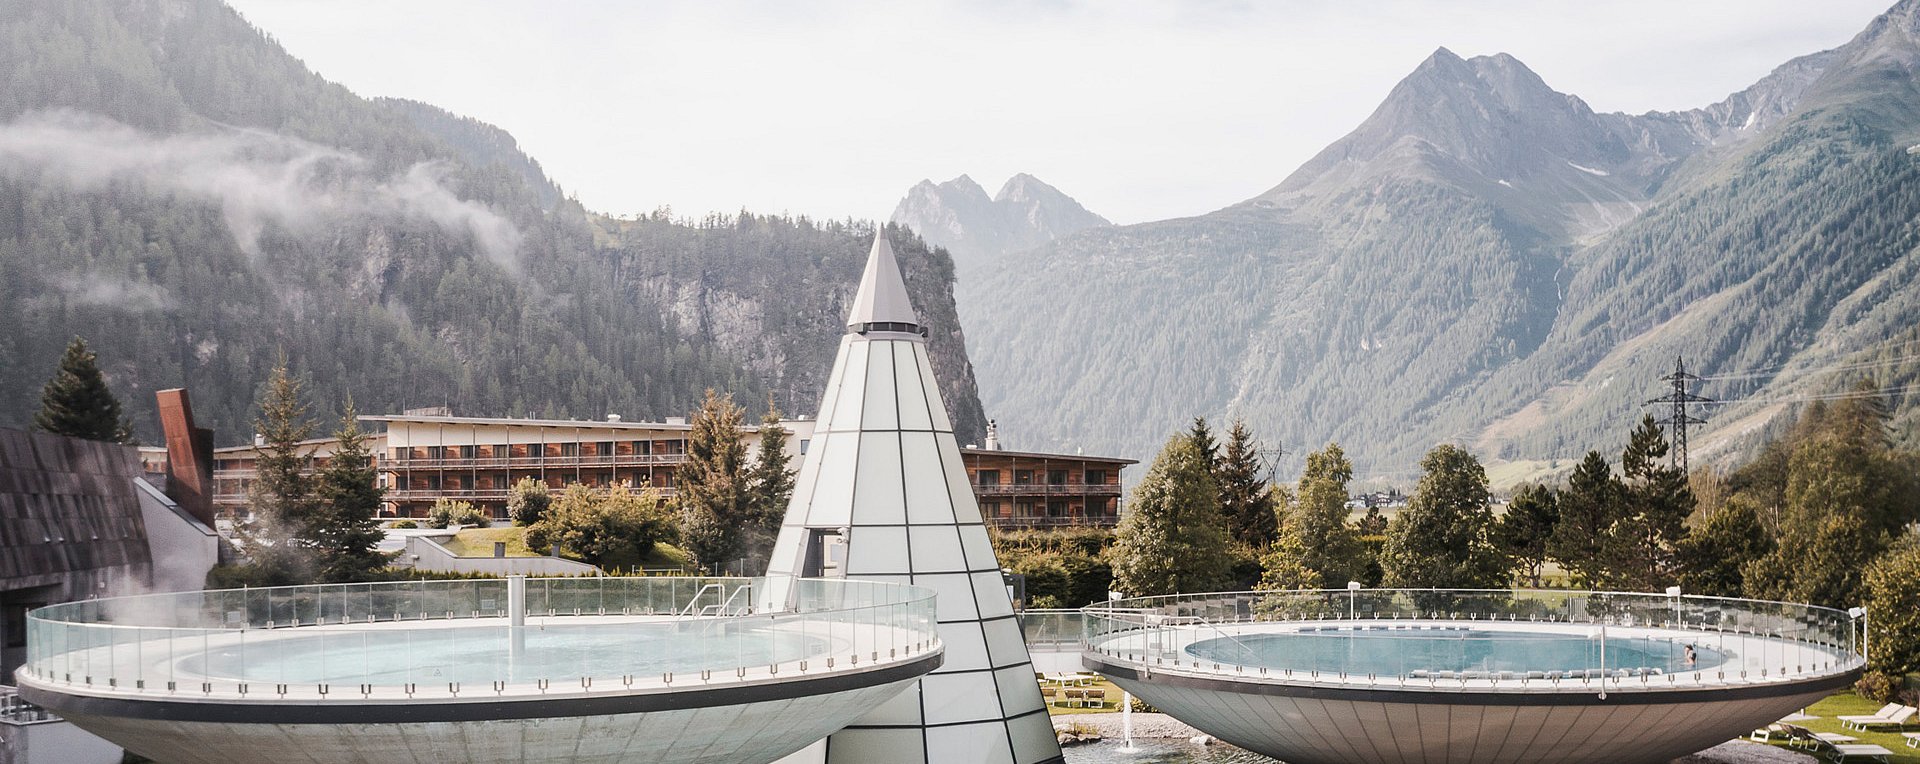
(1051, 628)
(446, 638)
(1459, 638)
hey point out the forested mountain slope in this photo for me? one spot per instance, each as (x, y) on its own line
(194, 201)
(1488, 261)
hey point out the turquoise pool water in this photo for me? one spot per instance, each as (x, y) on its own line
(479, 655)
(1423, 652)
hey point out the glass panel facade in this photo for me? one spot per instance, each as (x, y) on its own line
(970, 742)
(935, 406)
(882, 411)
(913, 396)
(876, 549)
(927, 498)
(851, 397)
(1004, 642)
(966, 697)
(878, 493)
(966, 645)
(979, 549)
(866, 746)
(993, 600)
(955, 602)
(833, 493)
(1033, 739)
(833, 382)
(936, 548)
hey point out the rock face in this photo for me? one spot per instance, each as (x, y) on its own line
(1487, 260)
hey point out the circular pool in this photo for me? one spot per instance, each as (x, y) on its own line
(1418, 651)
(1472, 677)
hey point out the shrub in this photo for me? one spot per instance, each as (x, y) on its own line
(446, 512)
(399, 524)
(603, 527)
(1874, 686)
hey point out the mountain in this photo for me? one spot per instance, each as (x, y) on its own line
(198, 205)
(1488, 261)
(959, 216)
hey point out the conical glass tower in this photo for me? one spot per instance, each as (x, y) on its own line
(883, 496)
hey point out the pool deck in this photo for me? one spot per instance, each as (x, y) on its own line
(1751, 660)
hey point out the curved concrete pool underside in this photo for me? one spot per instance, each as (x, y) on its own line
(1354, 719)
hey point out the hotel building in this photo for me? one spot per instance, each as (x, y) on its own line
(427, 455)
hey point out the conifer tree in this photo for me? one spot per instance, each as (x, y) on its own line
(76, 401)
(1588, 508)
(1173, 539)
(345, 528)
(1202, 436)
(770, 482)
(1655, 503)
(1244, 498)
(1526, 528)
(711, 490)
(1444, 538)
(281, 497)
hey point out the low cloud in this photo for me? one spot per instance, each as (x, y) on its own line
(257, 178)
(114, 292)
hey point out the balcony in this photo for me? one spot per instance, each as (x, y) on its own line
(1063, 521)
(530, 462)
(474, 494)
(1047, 489)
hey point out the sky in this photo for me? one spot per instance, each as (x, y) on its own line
(1140, 110)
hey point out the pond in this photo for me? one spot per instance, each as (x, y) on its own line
(1160, 751)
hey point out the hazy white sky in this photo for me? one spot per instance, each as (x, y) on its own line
(1141, 110)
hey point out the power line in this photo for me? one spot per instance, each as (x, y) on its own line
(1890, 392)
(1679, 420)
(1777, 368)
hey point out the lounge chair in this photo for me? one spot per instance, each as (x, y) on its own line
(1765, 734)
(1913, 739)
(1096, 698)
(1899, 718)
(1835, 738)
(1801, 737)
(1884, 712)
(1076, 698)
(1874, 752)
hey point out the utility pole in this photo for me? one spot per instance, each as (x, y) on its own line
(1678, 420)
(1272, 457)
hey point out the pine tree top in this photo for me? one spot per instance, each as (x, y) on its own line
(76, 401)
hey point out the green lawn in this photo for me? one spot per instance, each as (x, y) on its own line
(1111, 705)
(478, 542)
(1849, 704)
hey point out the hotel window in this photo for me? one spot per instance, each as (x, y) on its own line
(436, 452)
(1056, 477)
(643, 447)
(606, 448)
(989, 477)
(1023, 477)
(1096, 477)
(803, 446)
(570, 449)
(1056, 508)
(468, 452)
(1023, 509)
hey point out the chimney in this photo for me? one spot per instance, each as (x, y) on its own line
(613, 418)
(993, 435)
(189, 455)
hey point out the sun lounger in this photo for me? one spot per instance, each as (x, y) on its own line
(1835, 738)
(1913, 739)
(1874, 752)
(1898, 718)
(1885, 712)
(1765, 734)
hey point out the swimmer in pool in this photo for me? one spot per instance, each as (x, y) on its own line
(1690, 658)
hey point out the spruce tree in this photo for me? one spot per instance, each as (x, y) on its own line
(1173, 539)
(1525, 529)
(345, 528)
(1202, 436)
(1655, 503)
(77, 403)
(711, 491)
(281, 497)
(770, 483)
(1244, 498)
(1444, 538)
(1588, 508)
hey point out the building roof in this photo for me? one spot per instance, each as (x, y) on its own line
(883, 293)
(599, 424)
(1038, 455)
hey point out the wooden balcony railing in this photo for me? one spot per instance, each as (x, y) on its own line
(1062, 521)
(530, 462)
(1047, 489)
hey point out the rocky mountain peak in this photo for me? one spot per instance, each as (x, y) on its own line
(958, 215)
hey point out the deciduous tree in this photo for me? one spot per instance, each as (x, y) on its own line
(1173, 539)
(1444, 538)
